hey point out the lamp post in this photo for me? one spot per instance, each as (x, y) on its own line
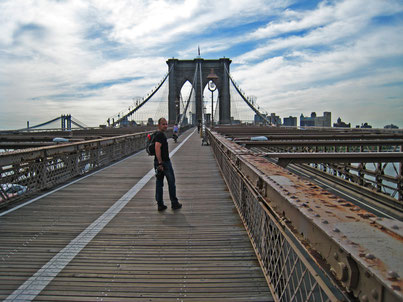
(212, 77)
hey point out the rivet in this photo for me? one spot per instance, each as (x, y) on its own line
(336, 230)
(369, 256)
(374, 294)
(395, 227)
(325, 222)
(364, 298)
(317, 215)
(393, 274)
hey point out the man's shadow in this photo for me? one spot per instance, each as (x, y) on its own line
(175, 219)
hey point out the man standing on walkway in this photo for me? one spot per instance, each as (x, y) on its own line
(163, 166)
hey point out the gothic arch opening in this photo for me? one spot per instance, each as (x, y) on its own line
(184, 95)
(197, 70)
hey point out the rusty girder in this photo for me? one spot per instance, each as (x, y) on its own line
(360, 252)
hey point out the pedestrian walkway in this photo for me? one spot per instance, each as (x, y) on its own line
(102, 238)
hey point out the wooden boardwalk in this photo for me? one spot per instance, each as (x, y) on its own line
(63, 247)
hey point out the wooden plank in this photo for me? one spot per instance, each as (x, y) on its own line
(200, 252)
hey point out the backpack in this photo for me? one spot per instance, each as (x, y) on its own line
(150, 143)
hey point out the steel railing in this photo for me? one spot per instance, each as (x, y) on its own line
(28, 171)
(291, 274)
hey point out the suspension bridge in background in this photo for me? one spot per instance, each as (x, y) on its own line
(203, 76)
(269, 213)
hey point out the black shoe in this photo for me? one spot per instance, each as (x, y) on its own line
(176, 206)
(162, 207)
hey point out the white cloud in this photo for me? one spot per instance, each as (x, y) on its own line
(78, 49)
(327, 25)
(341, 79)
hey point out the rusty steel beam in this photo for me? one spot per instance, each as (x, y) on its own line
(313, 136)
(335, 157)
(23, 145)
(361, 251)
(308, 143)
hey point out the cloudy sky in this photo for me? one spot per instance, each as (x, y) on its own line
(91, 58)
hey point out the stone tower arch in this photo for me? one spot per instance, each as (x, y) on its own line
(184, 70)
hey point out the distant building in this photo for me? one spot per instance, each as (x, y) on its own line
(324, 121)
(365, 125)
(341, 124)
(307, 121)
(272, 118)
(124, 122)
(318, 121)
(235, 122)
(391, 126)
(290, 121)
(259, 120)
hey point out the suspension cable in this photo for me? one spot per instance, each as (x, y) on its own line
(143, 102)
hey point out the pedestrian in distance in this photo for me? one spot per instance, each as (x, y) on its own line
(175, 134)
(163, 167)
(198, 126)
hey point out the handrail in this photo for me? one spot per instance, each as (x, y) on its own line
(36, 169)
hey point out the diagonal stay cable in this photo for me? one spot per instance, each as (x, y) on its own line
(145, 100)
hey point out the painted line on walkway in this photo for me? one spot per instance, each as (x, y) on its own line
(35, 284)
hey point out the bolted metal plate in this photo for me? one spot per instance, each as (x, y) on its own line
(374, 242)
(392, 225)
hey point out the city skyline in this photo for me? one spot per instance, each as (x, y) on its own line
(90, 59)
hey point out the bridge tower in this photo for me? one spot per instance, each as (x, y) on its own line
(65, 122)
(184, 70)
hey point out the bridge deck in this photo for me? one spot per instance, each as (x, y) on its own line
(198, 253)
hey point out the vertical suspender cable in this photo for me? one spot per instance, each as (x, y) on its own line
(245, 99)
(145, 100)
